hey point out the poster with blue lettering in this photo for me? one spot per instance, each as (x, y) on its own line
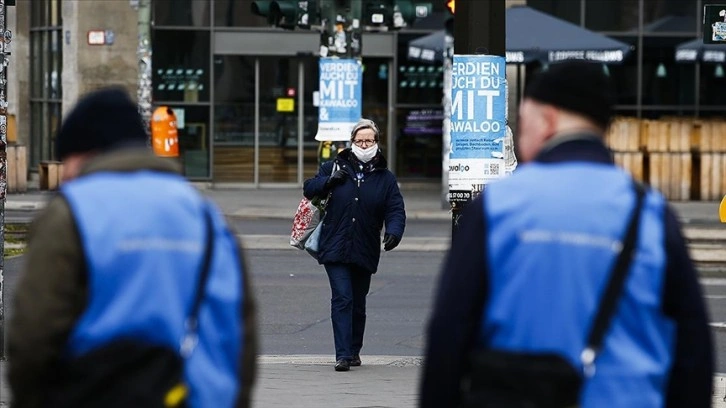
(341, 98)
(478, 121)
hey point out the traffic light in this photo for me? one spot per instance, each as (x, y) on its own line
(287, 14)
(261, 8)
(378, 13)
(406, 12)
(449, 22)
(394, 14)
(451, 6)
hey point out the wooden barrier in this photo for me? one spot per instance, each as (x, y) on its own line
(712, 136)
(685, 158)
(17, 174)
(713, 176)
(632, 162)
(50, 174)
(624, 135)
(671, 173)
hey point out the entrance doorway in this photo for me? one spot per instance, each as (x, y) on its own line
(264, 121)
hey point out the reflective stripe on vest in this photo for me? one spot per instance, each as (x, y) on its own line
(554, 231)
(143, 258)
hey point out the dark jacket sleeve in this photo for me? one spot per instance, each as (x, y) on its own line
(691, 378)
(456, 317)
(49, 298)
(395, 217)
(248, 361)
(315, 186)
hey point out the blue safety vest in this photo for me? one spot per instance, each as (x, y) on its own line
(554, 231)
(144, 257)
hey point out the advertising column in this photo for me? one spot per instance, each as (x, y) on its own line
(340, 102)
(478, 127)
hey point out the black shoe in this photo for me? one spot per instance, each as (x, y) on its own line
(355, 362)
(342, 365)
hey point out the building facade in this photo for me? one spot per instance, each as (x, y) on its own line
(222, 69)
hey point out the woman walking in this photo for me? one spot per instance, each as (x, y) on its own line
(364, 197)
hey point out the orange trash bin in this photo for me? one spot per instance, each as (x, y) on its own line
(164, 133)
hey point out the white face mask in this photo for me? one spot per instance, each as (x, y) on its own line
(365, 155)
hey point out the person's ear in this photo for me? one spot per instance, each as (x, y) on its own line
(550, 119)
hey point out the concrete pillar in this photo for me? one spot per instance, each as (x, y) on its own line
(89, 67)
(19, 68)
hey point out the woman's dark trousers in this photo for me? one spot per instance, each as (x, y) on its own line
(349, 286)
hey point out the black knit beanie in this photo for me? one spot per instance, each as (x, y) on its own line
(575, 85)
(100, 121)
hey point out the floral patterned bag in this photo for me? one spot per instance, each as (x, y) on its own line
(308, 215)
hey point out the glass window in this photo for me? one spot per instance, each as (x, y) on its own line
(234, 118)
(278, 128)
(564, 10)
(181, 13)
(666, 82)
(45, 78)
(310, 124)
(237, 13)
(713, 85)
(234, 93)
(418, 145)
(625, 80)
(193, 131)
(711, 112)
(669, 16)
(611, 15)
(56, 65)
(418, 82)
(38, 12)
(180, 65)
(625, 75)
(375, 103)
(55, 12)
(36, 72)
(665, 112)
(36, 132)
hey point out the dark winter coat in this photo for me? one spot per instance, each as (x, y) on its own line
(357, 210)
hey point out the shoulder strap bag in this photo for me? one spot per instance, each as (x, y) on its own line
(503, 379)
(312, 245)
(308, 216)
(128, 373)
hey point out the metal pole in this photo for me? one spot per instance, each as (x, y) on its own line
(342, 27)
(639, 73)
(446, 125)
(6, 36)
(300, 121)
(479, 28)
(340, 37)
(144, 56)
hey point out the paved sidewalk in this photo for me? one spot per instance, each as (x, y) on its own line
(422, 202)
(311, 382)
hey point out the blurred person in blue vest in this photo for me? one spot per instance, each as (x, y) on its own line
(112, 266)
(509, 284)
(364, 197)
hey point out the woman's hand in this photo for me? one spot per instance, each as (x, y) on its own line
(337, 178)
(390, 241)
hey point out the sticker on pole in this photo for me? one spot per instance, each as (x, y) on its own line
(478, 120)
(340, 98)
